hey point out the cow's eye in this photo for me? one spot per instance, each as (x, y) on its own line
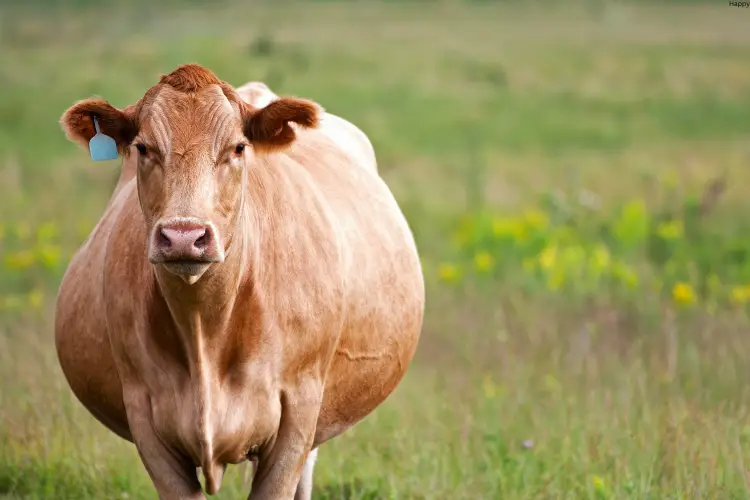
(239, 149)
(141, 148)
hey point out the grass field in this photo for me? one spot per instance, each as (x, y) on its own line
(577, 177)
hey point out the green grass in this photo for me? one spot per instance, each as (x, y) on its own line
(476, 110)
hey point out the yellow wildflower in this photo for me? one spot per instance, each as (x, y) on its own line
(19, 260)
(625, 274)
(513, 227)
(671, 230)
(35, 298)
(600, 258)
(536, 219)
(683, 293)
(483, 261)
(521, 233)
(449, 272)
(574, 256)
(548, 257)
(632, 224)
(598, 483)
(502, 226)
(740, 294)
(49, 255)
(46, 232)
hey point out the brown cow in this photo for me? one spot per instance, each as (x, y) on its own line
(249, 292)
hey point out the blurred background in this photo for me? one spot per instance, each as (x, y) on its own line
(575, 173)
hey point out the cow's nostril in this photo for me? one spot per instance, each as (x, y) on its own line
(164, 240)
(202, 241)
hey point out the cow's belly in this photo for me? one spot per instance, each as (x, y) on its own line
(83, 348)
(373, 354)
(359, 382)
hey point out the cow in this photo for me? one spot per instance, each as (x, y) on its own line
(250, 292)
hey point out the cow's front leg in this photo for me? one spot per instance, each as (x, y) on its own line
(174, 477)
(280, 467)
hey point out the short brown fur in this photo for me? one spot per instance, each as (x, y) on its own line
(296, 318)
(190, 78)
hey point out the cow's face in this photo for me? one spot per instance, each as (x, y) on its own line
(194, 140)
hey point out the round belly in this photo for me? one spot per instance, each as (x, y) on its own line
(84, 353)
(369, 363)
(385, 298)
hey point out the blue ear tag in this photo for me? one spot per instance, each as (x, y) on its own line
(101, 146)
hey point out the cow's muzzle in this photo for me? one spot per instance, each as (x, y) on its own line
(185, 247)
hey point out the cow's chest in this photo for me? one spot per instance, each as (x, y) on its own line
(221, 419)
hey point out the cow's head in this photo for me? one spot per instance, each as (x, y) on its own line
(194, 139)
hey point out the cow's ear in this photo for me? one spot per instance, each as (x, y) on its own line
(119, 124)
(269, 129)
